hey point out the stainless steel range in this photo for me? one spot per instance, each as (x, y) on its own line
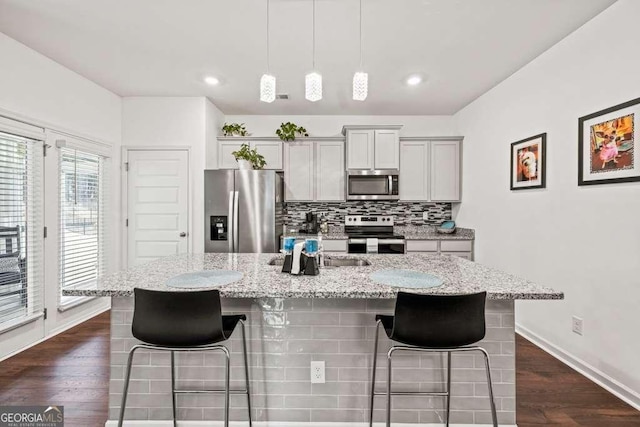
(372, 234)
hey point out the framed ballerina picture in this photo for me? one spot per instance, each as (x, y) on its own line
(606, 145)
(528, 163)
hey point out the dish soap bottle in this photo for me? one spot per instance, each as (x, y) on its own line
(324, 225)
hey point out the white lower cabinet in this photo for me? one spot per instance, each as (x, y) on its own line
(314, 171)
(334, 246)
(422, 246)
(459, 248)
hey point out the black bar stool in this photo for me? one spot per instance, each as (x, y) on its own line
(438, 324)
(184, 321)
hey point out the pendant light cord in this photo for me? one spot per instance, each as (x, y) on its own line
(361, 34)
(313, 49)
(268, 44)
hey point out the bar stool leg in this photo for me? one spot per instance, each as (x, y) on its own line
(246, 369)
(494, 416)
(125, 390)
(373, 373)
(448, 386)
(226, 386)
(173, 389)
(389, 354)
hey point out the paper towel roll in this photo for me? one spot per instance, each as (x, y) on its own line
(297, 253)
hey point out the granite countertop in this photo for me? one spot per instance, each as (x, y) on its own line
(410, 232)
(265, 281)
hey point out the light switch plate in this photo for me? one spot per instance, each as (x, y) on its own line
(425, 216)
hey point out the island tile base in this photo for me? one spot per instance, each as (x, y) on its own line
(284, 336)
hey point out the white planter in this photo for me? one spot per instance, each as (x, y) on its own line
(244, 164)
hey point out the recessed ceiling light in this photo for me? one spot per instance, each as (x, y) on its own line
(414, 80)
(210, 80)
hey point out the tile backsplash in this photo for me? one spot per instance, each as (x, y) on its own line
(405, 213)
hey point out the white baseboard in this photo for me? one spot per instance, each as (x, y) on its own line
(619, 390)
(59, 331)
(114, 423)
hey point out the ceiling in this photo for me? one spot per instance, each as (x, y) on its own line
(165, 47)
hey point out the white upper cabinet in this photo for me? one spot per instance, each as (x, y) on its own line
(414, 170)
(372, 147)
(226, 160)
(430, 170)
(330, 172)
(360, 148)
(445, 171)
(386, 149)
(299, 171)
(272, 152)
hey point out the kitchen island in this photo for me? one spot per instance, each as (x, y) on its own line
(293, 320)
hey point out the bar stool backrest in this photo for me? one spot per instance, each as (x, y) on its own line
(177, 319)
(439, 321)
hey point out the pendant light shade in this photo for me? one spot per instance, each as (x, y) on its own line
(360, 78)
(268, 81)
(313, 87)
(360, 86)
(313, 80)
(267, 88)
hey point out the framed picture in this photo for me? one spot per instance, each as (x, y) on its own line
(606, 145)
(528, 163)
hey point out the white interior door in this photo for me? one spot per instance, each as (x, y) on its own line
(157, 204)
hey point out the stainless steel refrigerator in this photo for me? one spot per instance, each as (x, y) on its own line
(243, 210)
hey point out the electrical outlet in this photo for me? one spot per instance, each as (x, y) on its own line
(576, 325)
(302, 215)
(425, 216)
(317, 372)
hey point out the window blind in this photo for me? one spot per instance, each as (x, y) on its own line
(21, 228)
(83, 197)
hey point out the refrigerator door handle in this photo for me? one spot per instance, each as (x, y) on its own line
(230, 231)
(236, 243)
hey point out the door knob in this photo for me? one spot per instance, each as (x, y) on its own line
(183, 234)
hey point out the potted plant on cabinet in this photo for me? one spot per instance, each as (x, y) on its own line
(288, 131)
(248, 158)
(234, 129)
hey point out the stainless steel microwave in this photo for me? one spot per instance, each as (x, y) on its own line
(372, 185)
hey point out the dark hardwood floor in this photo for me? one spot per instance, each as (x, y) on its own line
(72, 369)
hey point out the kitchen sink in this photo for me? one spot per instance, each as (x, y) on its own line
(345, 262)
(331, 262)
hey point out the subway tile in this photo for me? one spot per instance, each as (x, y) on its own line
(314, 401)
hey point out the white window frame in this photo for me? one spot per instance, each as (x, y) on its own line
(91, 147)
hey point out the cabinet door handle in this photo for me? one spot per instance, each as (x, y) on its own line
(183, 234)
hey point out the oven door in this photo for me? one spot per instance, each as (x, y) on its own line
(372, 185)
(357, 246)
(391, 246)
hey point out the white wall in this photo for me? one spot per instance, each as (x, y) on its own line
(584, 241)
(37, 90)
(189, 122)
(332, 125)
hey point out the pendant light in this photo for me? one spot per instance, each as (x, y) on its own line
(267, 81)
(360, 78)
(313, 80)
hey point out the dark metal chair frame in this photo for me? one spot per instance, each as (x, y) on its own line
(8, 234)
(207, 347)
(448, 349)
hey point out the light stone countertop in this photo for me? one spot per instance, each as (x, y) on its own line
(410, 232)
(265, 281)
